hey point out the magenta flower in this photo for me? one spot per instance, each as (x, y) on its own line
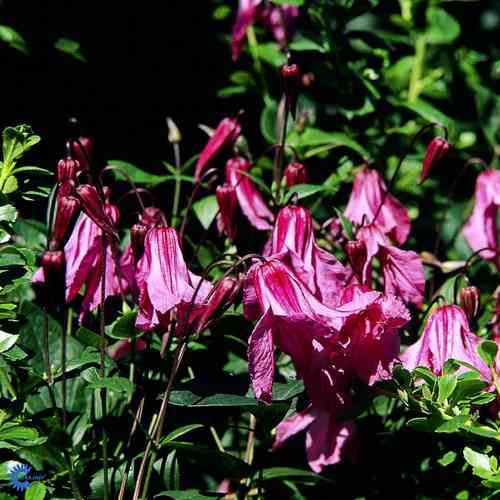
(222, 138)
(437, 149)
(163, 279)
(446, 336)
(123, 348)
(281, 19)
(295, 173)
(480, 231)
(292, 242)
(227, 202)
(366, 197)
(247, 14)
(250, 200)
(402, 269)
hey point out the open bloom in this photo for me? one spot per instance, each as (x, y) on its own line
(292, 242)
(366, 198)
(446, 336)
(481, 231)
(402, 269)
(249, 198)
(222, 138)
(163, 279)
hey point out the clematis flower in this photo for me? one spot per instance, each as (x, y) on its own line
(366, 197)
(446, 336)
(81, 150)
(292, 242)
(163, 278)
(437, 149)
(402, 269)
(228, 204)
(295, 173)
(481, 231)
(249, 198)
(247, 14)
(222, 138)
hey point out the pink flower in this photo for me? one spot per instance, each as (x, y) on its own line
(402, 269)
(437, 149)
(163, 278)
(247, 14)
(292, 242)
(366, 197)
(281, 19)
(480, 231)
(227, 202)
(446, 336)
(222, 138)
(250, 200)
(123, 348)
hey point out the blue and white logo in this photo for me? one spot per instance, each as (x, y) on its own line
(20, 477)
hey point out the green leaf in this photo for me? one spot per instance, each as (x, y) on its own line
(291, 473)
(476, 459)
(88, 337)
(271, 54)
(181, 431)
(298, 3)
(188, 495)
(221, 12)
(124, 327)
(206, 209)
(305, 190)
(488, 350)
(268, 122)
(36, 491)
(424, 109)
(116, 384)
(345, 223)
(70, 47)
(188, 398)
(425, 374)
(128, 170)
(443, 28)
(243, 78)
(446, 386)
(11, 37)
(447, 459)
(10, 186)
(8, 213)
(7, 340)
(16, 141)
(284, 392)
(453, 425)
(301, 43)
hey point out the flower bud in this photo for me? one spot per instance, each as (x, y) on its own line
(67, 208)
(227, 202)
(174, 134)
(295, 173)
(93, 207)
(436, 151)
(67, 170)
(137, 236)
(469, 301)
(290, 74)
(53, 265)
(151, 216)
(81, 150)
(357, 255)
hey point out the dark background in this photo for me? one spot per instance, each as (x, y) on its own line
(144, 61)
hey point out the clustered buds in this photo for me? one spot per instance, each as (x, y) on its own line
(290, 74)
(67, 170)
(295, 173)
(227, 202)
(469, 301)
(81, 149)
(357, 255)
(436, 151)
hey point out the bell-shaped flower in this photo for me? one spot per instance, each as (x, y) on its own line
(163, 278)
(281, 19)
(481, 230)
(292, 242)
(446, 336)
(250, 200)
(222, 138)
(227, 202)
(402, 269)
(247, 14)
(365, 201)
(437, 149)
(123, 348)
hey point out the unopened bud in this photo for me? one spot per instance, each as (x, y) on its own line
(436, 151)
(357, 255)
(174, 134)
(227, 202)
(295, 173)
(469, 301)
(53, 265)
(93, 207)
(67, 170)
(67, 209)
(81, 150)
(290, 74)
(137, 237)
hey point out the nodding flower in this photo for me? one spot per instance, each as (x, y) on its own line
(437, 149)
(222, 139)
(295, 173)
(228, 206)
(290, 75)
(81, 149)
(67, 170)
(68, 208)
(469, 301)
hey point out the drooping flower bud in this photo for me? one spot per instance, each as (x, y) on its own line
(357, 255)
(53, 265)
(137, 237)
(227, 202)
(222, 138)
(436, 151)
(174, 134)
(93, 207)
(67, 170)
(290, 74)
(295, 173)
(81, 150)
(469, 301)
(151, 216)
(67, 208)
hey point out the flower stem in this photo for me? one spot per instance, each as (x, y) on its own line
(278, 157)
(416, 73)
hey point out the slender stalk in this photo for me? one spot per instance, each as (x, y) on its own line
(64, 343)
(177, 188)
(415, 86)
(278, 157)
(46, 354)
(102, 373)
